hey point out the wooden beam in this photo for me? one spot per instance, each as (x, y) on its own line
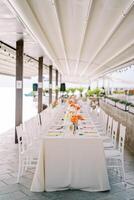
(56, 97)
(30, 57)
(40, 84)
(50, 83)
(19, 86)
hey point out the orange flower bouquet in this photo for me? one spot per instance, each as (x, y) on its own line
(70, 101)
(74, 105)
(77, 107)
(74, 120)
(80, 117)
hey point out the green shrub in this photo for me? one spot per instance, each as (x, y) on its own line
(67, 90)
(97, 91)
(72, 90)
(125, 102)
(80, 89)
(90, 93)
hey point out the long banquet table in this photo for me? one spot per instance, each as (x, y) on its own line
(76, 162)
(71, 161)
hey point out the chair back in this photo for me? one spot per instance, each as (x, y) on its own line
(28, 129)
(122, 138)
(105, 121)
(42, 116)
(46, 118)
(22, 139)
(109, 126)
(101, 112)
(114, 133)
(35, 123)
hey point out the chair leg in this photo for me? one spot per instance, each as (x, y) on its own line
(26, 163)
(124, 176)
(19, 170)
(22, 168)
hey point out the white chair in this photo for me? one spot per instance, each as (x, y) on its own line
(115, 157)
(107, 134)
(102, 129)
(114, 133)
(109, 126)
(51, 117)
(35, 122)
(46, 118)
(105, 121)
(27, 129)
(113, 141)
(100, 122)
(27, 155)
(31, 128)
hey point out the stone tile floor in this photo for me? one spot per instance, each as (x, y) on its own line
(10, 190)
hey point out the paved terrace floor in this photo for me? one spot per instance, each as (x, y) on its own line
(10, 190)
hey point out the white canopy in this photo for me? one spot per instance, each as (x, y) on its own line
(84, 38)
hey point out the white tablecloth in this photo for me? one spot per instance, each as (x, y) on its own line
(76, 162)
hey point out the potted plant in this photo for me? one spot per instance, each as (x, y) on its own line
(131, 108)
(90, 93)
(123, 105)
(116, 101)
(72, 90)
(112, 101)
(67, 91)
(97, 92)
(80, 89)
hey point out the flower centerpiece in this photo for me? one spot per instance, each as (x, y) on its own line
(74, 105)
(72, 115)
(74, 119)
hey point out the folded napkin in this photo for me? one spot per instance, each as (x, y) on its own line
(55, 134)
(91, 134)
(90, 127)
(55, 130)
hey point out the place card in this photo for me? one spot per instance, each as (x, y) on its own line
(19, 84)
(50, 86)
(40, 85)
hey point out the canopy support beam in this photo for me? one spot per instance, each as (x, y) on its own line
(19, 86)
(50, 83)
(56, 84)
(40, 84)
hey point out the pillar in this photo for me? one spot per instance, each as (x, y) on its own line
(56, 84)
(50, 84)
(19, 86)
(40, 84)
